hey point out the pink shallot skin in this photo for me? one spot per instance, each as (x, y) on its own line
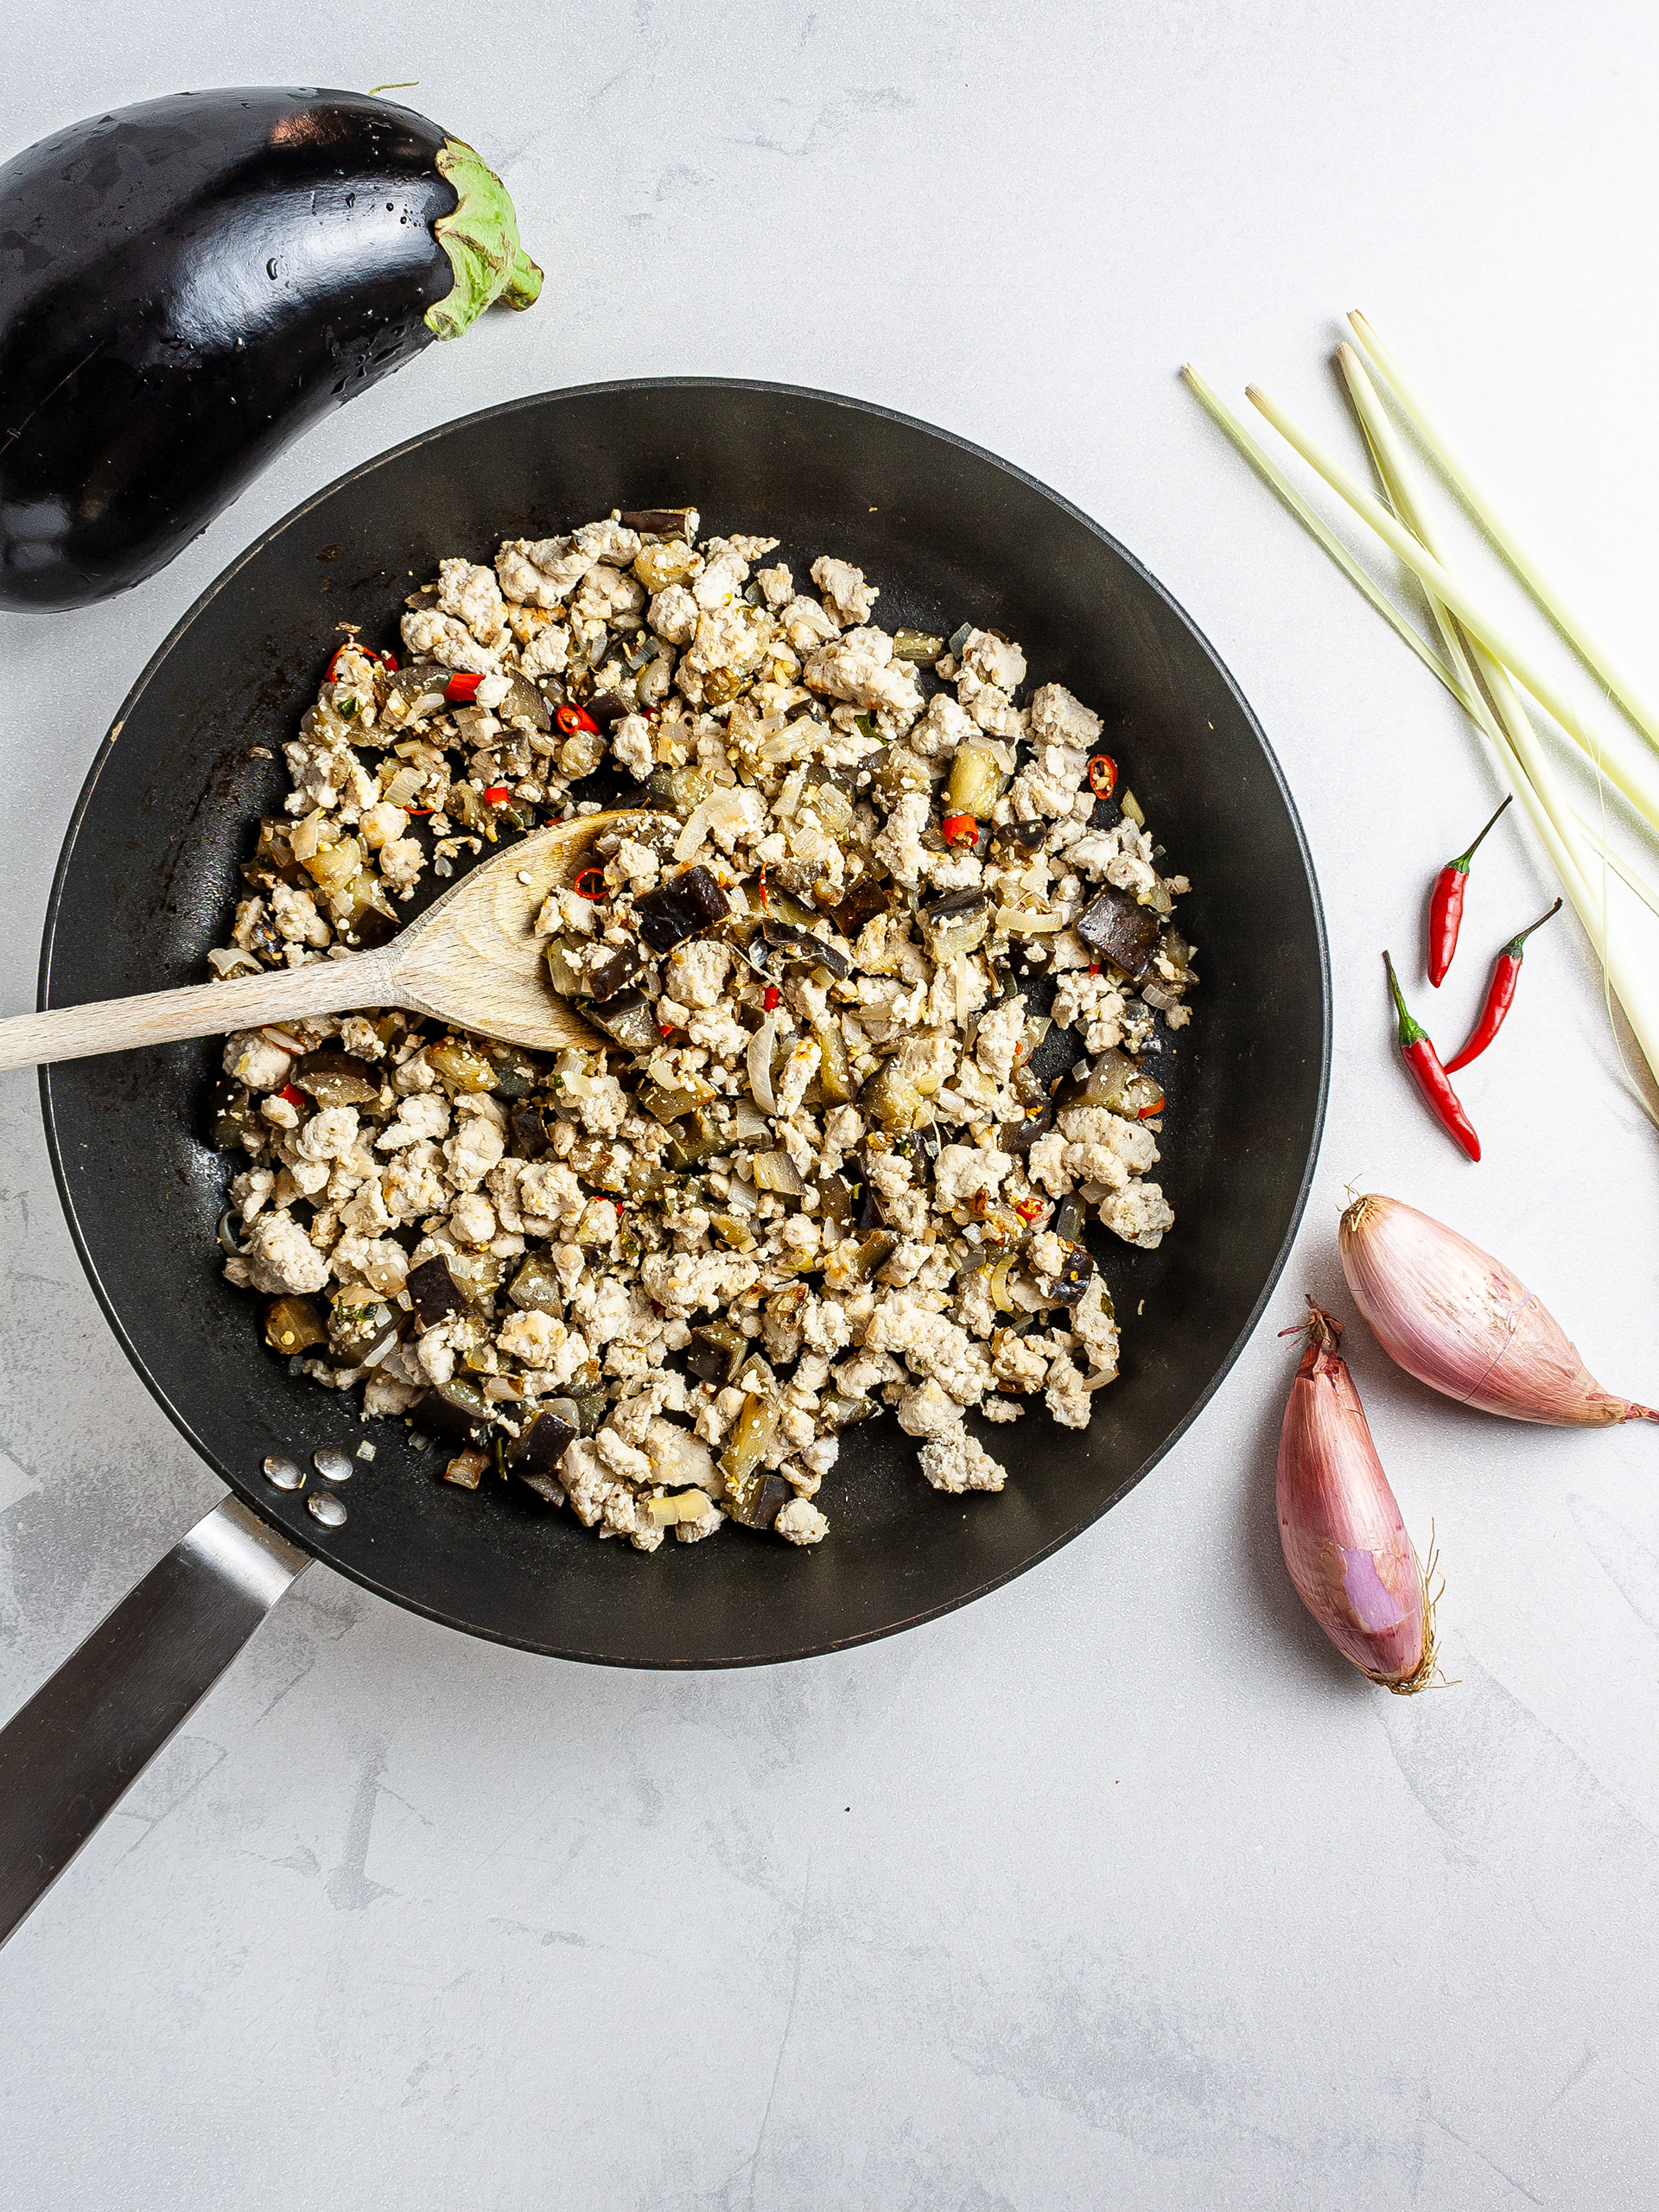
(1345, 1542)
(1458, 1320)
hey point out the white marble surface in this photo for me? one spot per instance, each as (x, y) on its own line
(1116, 1888)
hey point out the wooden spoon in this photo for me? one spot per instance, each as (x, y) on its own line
(471, 959)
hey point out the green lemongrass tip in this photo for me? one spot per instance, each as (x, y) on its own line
(481, 239)
(1278, 482)
(1630, 775)
(1564, 616)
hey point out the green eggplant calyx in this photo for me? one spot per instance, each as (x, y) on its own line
(481, 239)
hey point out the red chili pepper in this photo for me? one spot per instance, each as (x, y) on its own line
(498, 794)
(1425, 1064)
(664, 1029)
(770, 997)
(1102, 775)
(594, 875)
(961, 829)
(1028, 1208)
(1156, 1107)
(388, 661)
(1500, 993)
(761, 883)
(418, 809)
(570, 718)
(1445, 908)
(461, 689)
(294, 1095)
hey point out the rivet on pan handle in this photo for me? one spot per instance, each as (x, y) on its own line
(86, 1735)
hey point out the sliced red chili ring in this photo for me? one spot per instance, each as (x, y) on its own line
(664, 1029)
(498, 794)
(1102, 775)
(595, 875)
(961, 829)
(388, 661)
(571, 718)
(461, 689)
(294, 1095)
(1028, 1208)
(770, 997)
(1157, 1107)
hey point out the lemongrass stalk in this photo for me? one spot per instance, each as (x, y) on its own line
(1516, 740)
(1394, 471)
(1515, 737)
(1565, 619)
(1616, 861)
(1278, 482)
(1609, 756)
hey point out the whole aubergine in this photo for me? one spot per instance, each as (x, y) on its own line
(184, 285)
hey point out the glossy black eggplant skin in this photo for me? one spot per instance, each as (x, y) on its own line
(184, 286)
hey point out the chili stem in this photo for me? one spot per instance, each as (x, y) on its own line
(1462, 862)
(1517, 944)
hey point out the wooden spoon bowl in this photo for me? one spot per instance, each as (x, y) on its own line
(473, 959)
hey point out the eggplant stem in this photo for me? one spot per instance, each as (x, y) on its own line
(481, 237)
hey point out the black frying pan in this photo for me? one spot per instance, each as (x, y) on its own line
(950, 534)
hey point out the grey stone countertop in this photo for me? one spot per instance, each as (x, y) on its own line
(1117, 1888)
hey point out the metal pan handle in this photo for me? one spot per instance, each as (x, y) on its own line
(90, 1731)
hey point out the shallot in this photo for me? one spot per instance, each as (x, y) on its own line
(1458, 1320)
(1345, 1542)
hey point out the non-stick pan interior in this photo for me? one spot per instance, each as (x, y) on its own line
(951, 535)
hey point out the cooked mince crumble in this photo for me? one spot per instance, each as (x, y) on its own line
(812, 1169)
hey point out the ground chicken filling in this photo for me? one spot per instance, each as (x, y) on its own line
(813, 1170)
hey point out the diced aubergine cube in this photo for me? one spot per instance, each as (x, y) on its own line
(432, 1292)
(526, 1133)
(756, 1500)
(800, 948)
(336, 1078)
(605, 981)
(956, 924)
(453, 1410)
(1120, 931)
(680, 908)
(541, 1448)
(628, 1017)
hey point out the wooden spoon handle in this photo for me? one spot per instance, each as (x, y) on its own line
(74, 1033)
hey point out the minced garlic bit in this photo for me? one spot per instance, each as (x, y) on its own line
(816, 1172)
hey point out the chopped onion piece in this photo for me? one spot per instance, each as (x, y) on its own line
(1020, 921)
(776, 1171)
(696, 825)
(760, 1063)
(231, 960)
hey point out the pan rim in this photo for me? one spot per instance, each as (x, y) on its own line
(358, 473)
